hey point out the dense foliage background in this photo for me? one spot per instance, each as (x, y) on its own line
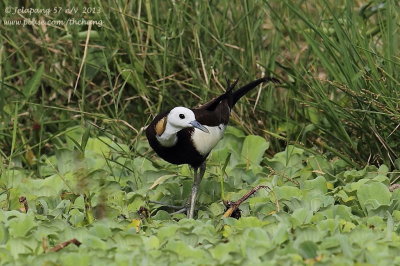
(74, 100)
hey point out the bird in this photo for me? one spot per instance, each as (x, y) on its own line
(184, 135)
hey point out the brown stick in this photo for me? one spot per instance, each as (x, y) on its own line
(235, 205)
(394, 187)
(24, 204)
(64, 244)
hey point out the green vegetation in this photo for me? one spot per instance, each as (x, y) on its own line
(74, 100)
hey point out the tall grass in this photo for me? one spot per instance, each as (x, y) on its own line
(338, 62)
(350, 83)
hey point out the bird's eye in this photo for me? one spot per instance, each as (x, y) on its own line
(182, 116)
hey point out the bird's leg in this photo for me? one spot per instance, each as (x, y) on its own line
(198, 175)
(193, 195)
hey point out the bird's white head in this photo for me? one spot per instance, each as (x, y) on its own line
(182, 117)
(177, 119)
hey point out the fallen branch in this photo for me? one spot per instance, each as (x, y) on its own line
(24, 204)
(394, 187)
(64, 244)
(233, 206)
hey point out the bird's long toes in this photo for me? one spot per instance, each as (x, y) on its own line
(165, 205)
(182, 210)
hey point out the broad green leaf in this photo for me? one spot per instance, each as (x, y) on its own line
(317, 185)
(222, 252)
(76, 259)
(95, 243)
(301, 216)
(279, 232)
(100, 146)
(76, 218)
(152, 242)
(6, 257)
(20, 246)
(216, 209)
(373, 195)
(328, 225)
(79, 203)
(166, 232)
(308, 249)
(383, 170)
(320, 165)
(184, 250)
(68, 161)
(396, 215)
(338, 211)
(48, 187)
(290, 161)
(101, 231)
(287, 192)
(253, 149)
(21, 225)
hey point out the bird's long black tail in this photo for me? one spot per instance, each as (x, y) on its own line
(236, 95)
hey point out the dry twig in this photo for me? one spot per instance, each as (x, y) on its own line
(233, 206)
(62, 245)
(394, 187)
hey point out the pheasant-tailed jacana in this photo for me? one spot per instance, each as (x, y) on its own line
(187, 135)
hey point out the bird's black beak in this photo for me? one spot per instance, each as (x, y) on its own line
(199, 126)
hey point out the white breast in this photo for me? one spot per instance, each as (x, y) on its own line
(205, 142)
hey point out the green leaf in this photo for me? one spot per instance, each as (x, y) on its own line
(67, 161)
(317, 185)
(320, 164)
(100, 145)
(308, 249)
(21, 225)
(48, 187)
(287, 192)
(162, 215)
(301, 216)
(152, 242)
(32, 86)
(184, 250)
(95, 242)
(77, 217)
(222, 252)
(76, 259)
(216, 209)
(253, 149)
(101, 231)
(373, 195)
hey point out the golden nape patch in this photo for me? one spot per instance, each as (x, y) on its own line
(160, 126)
